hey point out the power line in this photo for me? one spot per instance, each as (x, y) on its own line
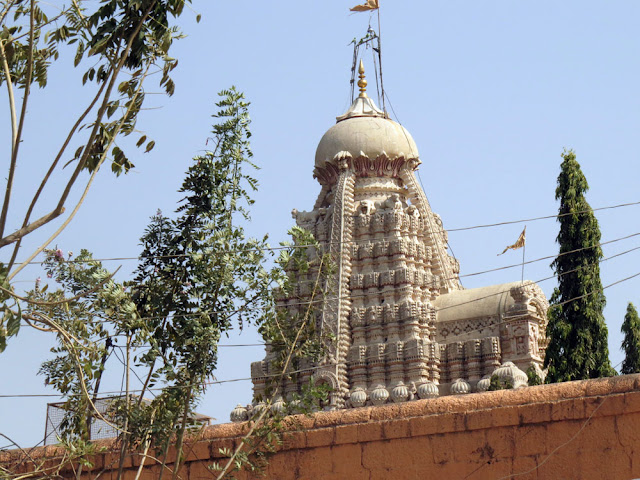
(303, 370)
(351, 296)
(541, 218)
(273, 249)
(547, 257)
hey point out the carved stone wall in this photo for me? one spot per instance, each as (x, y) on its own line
(403, 326)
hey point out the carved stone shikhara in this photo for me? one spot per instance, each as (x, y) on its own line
(402, 326)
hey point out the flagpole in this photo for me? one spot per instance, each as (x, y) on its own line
(524, 249)
(384, 106)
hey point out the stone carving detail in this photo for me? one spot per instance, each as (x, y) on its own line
(239, 414)
(460, 387)
(400, 393)
(379, 395)
(428, 390)
(358, 397)
(483, 384)
(391, 339)
(508, 372)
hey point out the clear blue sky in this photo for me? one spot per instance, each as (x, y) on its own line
(491, 92)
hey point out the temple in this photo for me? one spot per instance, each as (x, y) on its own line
(402, 325)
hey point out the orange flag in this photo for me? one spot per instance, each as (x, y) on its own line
(519, 243)
(369, 5)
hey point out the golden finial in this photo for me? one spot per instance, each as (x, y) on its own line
(362, 83)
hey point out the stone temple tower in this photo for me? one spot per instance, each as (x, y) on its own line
(404, 327)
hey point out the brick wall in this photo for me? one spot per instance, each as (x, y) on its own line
(575, 430)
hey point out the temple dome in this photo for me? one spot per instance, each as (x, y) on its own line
(365, 130)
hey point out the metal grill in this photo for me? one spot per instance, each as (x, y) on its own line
(99, 428)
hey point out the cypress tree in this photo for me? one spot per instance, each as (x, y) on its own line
(576, 330)
(631, 342)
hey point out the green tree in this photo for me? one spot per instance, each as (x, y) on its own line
(198, 277)
(631, 342)
(576, 330)
(115, 46)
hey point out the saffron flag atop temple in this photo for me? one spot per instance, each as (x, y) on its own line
(519, 243)
(369, 5)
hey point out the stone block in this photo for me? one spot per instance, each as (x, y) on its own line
(385, 412)
(421, 453)
(632, 402)
(197, 451)
(282, 466)
(490, 470)
(502, 441)
(530, 440)
(396, 429)
(347, 459)
(525, 468)
(293, 440)
(320, 437)
(362, 475)
(356, 415)
(224, 444)
(443, 448)
(613, 405)
(411, 409)
(622, 383)
(471, 446)
(480, 419)
(387, 454)
(567, 410)
(406, 473)
(505, 416)
(534, 413)
(597, 387)
(315, 460)
(346, 434)
(628, 430)
(327, 419)
(425, 425)
(560, 435)
(375, 456)
(369, 432)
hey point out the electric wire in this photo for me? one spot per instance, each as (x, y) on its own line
(351, 296)
(303, 370)
(506, 267)
(284, 247)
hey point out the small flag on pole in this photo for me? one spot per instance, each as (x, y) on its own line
(369, 5)
(519, 243)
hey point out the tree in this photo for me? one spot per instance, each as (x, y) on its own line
(117, 45)
(631, 342)
(576, 330)
(198, 277)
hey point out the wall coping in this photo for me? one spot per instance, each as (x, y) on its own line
(450, 413)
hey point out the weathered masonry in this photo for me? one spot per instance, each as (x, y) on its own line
(404, 327)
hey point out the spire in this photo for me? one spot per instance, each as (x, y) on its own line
(363, 105)
(362, 83)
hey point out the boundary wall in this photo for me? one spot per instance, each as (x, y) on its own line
(576, 430)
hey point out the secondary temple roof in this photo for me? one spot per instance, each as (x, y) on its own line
(402, 325)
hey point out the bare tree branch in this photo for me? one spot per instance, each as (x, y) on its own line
(23, 113)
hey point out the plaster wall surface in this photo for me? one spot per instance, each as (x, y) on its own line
(575, 430)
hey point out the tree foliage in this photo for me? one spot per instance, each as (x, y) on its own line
(115, 45)
(576, 330)
(631, 342)
(198, 277)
